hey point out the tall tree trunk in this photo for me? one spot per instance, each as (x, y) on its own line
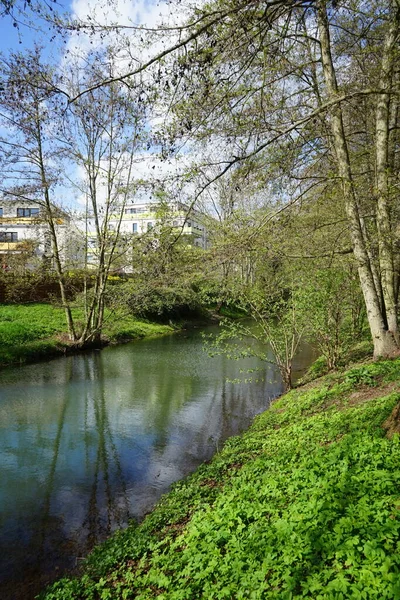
(383, 340)
(53, 233)
(59, 269)
(382, 183)
(394, 168)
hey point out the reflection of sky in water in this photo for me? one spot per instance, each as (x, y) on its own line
(89, 440)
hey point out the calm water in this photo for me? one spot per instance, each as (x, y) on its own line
(89, 441)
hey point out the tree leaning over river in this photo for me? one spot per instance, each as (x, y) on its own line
(298, 94)
(293, 84)
(304, 94)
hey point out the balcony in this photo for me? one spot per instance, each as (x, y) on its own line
(18, 220)
(12, 247)
(35, 220)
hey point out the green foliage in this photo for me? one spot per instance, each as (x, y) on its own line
(166, 279)
(363, 376)
(304, 505)
(37, 286)
(358, 352)
(28, 332)
(317, 369)
(120, 327)
(21, 323)
(232, 312)
(275, 334)
(161, 302)
(331, 301)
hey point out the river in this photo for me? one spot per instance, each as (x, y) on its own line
(91, 440)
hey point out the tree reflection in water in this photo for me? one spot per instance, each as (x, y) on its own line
(47, 544)
(108, 505)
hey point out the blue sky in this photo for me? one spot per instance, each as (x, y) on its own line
(27, 32)
(28, 29)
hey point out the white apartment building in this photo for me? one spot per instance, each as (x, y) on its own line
(139, 218)
(23, 228)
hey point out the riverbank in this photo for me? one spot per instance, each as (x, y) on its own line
(304, 504)
(32, 332)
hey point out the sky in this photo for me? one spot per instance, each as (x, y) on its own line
(57, 50)
(24, 31)
(19, 33)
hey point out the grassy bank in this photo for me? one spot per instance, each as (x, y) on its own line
(30, 332)
(306, 504)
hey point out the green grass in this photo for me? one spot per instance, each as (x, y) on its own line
(120, 328)
(306, 504)
(34, 331)
(27, 332)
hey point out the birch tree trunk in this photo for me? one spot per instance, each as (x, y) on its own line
(382, 183)
(49, 215)
(384, 341)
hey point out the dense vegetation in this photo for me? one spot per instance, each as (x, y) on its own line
(283, 120)
(303, 505)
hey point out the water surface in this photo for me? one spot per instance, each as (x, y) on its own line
(89, 441)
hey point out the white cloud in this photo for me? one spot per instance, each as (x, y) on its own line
(122, 13)
(148, 168)
(126, 13)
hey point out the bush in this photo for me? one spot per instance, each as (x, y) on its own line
(37, 286)
(158, 302)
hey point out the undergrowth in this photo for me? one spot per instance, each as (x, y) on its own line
(357, 353)
(306, 504)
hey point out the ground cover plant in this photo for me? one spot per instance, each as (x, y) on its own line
(32, 331)
(306, 504)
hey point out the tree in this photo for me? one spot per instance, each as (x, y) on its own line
(102, 137)
(329, 300)
(381, 311)
(265, 88)
(28, 105)
(304, 97)
(168, 272)
(277, 325)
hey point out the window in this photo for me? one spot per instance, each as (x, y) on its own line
(1, 212)
(149, 226)
(134, 211)
(8, 236)
(134, 228)
(27, 212)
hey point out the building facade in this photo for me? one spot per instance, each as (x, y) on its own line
(24, 230)
(140, 218)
